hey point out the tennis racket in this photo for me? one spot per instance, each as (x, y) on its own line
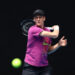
(25, 25)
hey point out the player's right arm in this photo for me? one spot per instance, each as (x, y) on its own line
(53, 34)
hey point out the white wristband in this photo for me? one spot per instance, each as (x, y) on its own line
(56, 28)
(50, 28)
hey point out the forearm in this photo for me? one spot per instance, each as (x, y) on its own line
(53, 34)
(49, 34)
(53, 48)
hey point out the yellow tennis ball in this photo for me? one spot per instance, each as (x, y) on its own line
(16, 63)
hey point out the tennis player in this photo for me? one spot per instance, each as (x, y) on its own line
(39, 45)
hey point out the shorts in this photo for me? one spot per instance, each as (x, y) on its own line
(32, 70)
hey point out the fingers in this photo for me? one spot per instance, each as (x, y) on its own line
(65, 41)
(63, 37)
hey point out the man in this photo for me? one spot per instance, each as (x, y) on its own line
(38, 46)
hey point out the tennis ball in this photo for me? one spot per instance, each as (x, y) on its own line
(16, 63)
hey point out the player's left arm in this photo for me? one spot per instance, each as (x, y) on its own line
(62, 42)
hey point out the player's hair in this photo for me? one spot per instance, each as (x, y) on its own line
(38, 12)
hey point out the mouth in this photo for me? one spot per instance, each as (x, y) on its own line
(38, 22)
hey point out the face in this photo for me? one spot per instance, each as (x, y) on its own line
(39, 20)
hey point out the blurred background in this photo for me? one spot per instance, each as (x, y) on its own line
(13, 43)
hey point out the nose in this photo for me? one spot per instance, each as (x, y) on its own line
(38, 18)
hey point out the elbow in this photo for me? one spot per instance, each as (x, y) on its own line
(55, 36)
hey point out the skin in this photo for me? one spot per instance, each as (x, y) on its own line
(39, 21)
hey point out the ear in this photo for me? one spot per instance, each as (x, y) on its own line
(44, 18)
(33, 19)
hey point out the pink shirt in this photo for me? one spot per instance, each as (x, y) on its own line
(37, 47)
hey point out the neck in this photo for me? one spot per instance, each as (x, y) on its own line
(41, 26)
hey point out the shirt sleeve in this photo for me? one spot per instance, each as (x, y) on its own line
(36, 31)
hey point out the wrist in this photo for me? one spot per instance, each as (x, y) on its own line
(56, 28)
(59, 44)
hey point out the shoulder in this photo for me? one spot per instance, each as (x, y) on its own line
(31, 28)
(34, 28)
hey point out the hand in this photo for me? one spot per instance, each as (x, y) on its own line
(62, 41)
(55, 27)
(56, 30)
